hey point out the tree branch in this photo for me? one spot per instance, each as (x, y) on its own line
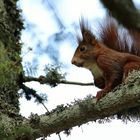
(45, 80)
(125, 12)
(123, 99)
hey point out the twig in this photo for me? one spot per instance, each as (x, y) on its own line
(44, 80)
(76, 83)
(59, 136)
(45, 108)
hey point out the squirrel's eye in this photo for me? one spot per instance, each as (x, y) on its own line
(83, 48)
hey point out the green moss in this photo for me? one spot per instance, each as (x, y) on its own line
(10, 131)
(8, 68)
(6, 128)
(10, 62)
(25, 132)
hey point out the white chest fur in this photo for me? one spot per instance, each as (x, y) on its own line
(95, 70)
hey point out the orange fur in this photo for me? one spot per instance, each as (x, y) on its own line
(110, 59)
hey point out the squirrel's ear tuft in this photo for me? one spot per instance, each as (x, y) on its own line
(93, 41)
(87, 36)
(85, 30)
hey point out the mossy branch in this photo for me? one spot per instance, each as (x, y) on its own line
(124, 101)
(53, 77)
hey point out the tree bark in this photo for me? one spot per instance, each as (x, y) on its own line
(10, 26)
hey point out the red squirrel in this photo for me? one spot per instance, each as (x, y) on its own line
(109, 58)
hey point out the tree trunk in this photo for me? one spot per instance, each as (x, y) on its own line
(10, 67)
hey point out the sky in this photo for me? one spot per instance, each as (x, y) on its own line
(51, 35)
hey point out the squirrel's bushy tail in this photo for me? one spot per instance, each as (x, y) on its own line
(118, 38)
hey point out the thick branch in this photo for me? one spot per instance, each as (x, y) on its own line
(124, 98)
(125, 12)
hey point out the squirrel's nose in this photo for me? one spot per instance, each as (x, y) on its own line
(76, 62)
(73, 61)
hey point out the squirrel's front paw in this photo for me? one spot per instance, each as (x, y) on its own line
(100, 94)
